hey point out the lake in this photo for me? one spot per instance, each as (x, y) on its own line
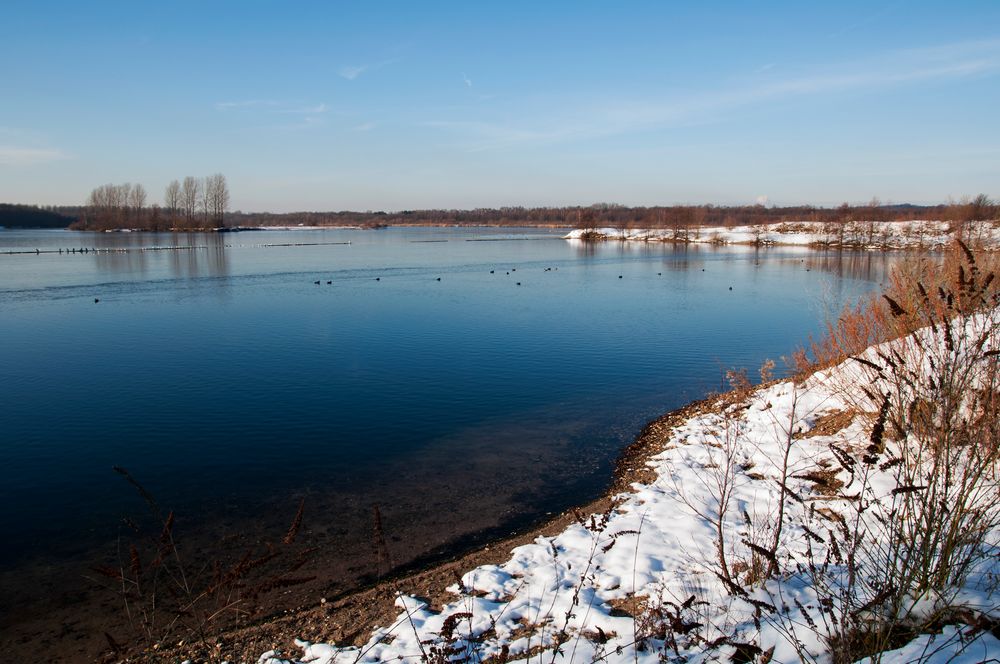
(467, 381)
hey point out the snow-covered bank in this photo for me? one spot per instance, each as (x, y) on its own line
(303, 227)
(865, 235)
(644, 581)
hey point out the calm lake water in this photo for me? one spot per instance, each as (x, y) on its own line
(423, 378)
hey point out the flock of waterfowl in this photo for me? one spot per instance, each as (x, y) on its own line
(513, 269)
(329, 282)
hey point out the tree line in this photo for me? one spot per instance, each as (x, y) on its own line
(202, 203)
(30, 216)
(191, 204)
(619, 216)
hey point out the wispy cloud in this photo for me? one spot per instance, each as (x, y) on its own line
(351, 72)
(318, 109)
(487, 135)
(306, 122)
(908, 67)
(309, 115)
(246, 103)
(272, 106)
(468, 81)
(365, 126)
(20, 156)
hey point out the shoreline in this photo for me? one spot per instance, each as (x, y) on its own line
(888, 236)
(349, 618)
(920, 235)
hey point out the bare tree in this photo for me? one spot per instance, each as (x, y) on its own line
(216, 200)
(119, 203)
(203, 206)
(107, 205)
(156, 220)
(98, 205)
(980, 208)
(136, 203)
(172, 199)
(190, 198)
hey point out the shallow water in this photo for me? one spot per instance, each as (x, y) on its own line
(423, 378)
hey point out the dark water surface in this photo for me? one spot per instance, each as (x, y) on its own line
(231, 385)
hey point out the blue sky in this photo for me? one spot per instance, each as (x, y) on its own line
(380, 105)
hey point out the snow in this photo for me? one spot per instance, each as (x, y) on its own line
(868, 235)
(951, 646)
(657, 548)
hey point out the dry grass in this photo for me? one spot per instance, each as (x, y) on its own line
(920, 289)
(896, 551)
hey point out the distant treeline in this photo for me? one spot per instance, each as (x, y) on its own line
(620, 216)
(186, 209)
(30, 216)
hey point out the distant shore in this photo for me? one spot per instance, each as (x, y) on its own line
(874, 236)
(322, 227)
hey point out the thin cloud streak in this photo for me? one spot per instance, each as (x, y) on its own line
(18, 156)
(308, 110)
(352, 72)
(309, 116)
(272, 106)
(947, 62)
(248, 103)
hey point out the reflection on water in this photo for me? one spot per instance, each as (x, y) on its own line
(209, 259)
(869, 266)
(190, 255)
(872, 267)
(136, 255)
(863, 265)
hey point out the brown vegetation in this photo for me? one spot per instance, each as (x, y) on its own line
(920, 496)
(921, 289)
